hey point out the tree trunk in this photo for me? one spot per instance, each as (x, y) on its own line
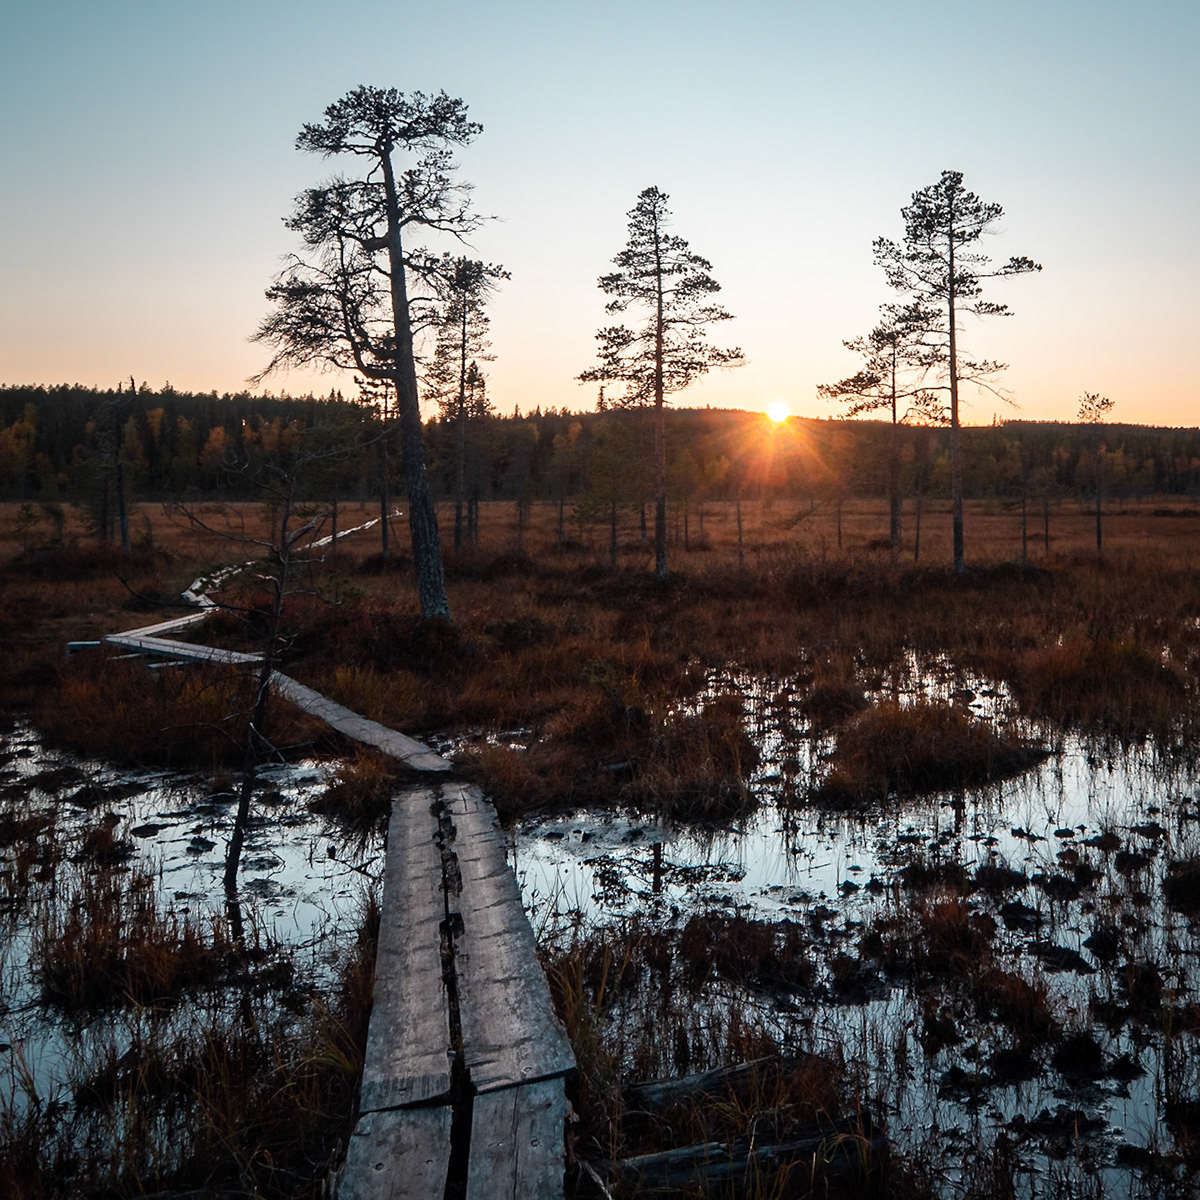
(956, 467)
(660, 492)
(422, 517)
(894, 502)
(385, 548)
(741, 557)
(460, 465)
(333, 528)
(255, 736)
(122, 510)
(660, 427)
(917, 530)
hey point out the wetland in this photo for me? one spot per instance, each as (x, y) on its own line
(921, 852)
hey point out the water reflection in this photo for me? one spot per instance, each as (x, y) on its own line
(1079, 844)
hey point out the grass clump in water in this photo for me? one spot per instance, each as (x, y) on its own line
(110, 943)
(360, 792)
(895, 750)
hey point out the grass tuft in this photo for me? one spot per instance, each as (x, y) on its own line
(899, 750)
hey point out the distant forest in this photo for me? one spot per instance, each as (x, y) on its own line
(62, 445)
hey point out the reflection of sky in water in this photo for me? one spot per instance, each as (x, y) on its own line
(302, 882)
(781, 856)
(785, 861)
(779, 860)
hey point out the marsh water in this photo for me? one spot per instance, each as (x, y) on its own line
(302, 887)
(1081, 845)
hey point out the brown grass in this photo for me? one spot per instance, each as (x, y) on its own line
(107, 942)
(893, 749)
(360, 792)
(207, 1102)
(192, 715)
(552, 643)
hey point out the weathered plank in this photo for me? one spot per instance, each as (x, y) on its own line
(409, 1048)
(752, 1084)
(510, 1032)
(154, 645)
(370, 733)
(517, 1143)
(398, 1155)
(192, 618)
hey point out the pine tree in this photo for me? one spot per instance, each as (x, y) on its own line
(356, 300)
(892, 372)
(938, 267)
(669, 288)
(461, 345)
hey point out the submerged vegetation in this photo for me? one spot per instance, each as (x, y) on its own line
(177, 1053)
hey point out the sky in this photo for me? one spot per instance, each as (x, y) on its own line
(147, 160)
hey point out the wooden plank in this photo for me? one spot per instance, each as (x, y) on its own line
(409, 1049)
(745, 1083)
(192, 618)
(398, 1155)
(517, 1143)
(370, 733)
(172, 649)
(510, 1032)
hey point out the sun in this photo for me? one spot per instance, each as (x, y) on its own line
(778, 411)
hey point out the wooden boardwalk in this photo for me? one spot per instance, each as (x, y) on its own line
(463, 1090)
(344, 720)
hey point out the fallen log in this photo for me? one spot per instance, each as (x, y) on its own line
(744, 1082)
(842, 1150)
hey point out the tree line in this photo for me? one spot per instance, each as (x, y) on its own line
(176, 444)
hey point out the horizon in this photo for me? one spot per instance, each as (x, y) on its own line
(270, 394)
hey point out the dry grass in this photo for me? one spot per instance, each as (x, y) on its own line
(546, 637)
(193, 715)
(107, 941)
(359, 795)
(232, 1097)
(896, 750)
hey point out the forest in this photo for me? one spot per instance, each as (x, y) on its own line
(60, 445)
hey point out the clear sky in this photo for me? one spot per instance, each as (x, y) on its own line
(146, 151)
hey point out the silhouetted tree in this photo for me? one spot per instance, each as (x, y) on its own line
(461, 345)
(938, 267)
(354, 300)
(894, 347)
(1093, 410)
(669, 287)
